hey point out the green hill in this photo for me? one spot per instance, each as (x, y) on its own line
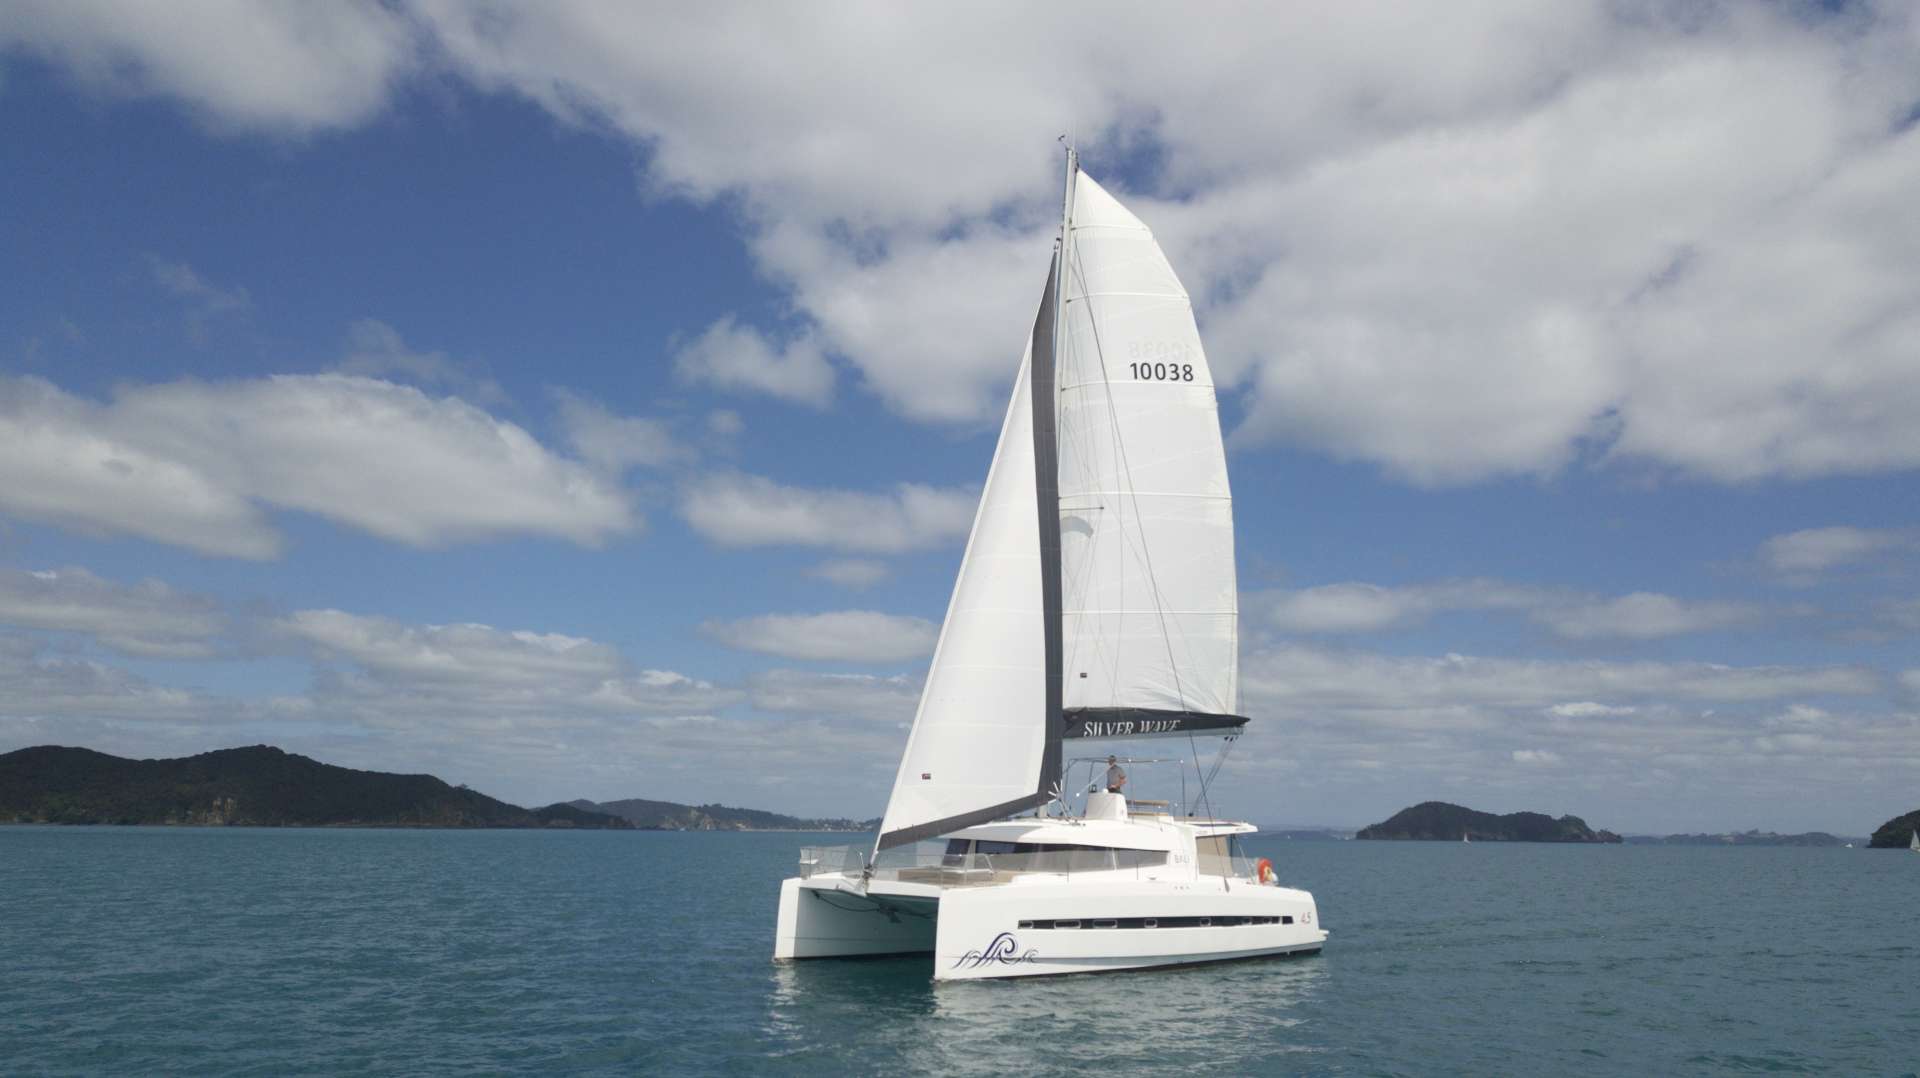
(1740, 838)
(259, 786)
(1437, 821)
(672, 816)
(1896, 832)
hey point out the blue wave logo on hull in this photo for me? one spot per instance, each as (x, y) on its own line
(1004, 950)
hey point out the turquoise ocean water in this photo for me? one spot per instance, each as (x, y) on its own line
(271, 952)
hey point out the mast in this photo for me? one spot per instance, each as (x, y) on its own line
(1046, 483)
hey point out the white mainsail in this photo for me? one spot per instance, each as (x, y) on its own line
(1146, 532)
(1098, 582)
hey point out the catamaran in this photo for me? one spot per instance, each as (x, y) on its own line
(1096, 601)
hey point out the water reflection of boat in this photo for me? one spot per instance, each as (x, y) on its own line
(1169, 1017)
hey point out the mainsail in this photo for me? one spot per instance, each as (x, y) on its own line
(1150, 601)
(1097, 595)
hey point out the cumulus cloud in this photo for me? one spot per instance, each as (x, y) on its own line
(1360, 608)
(861, 636)
(861, 696)
(36, 685)
(277, 67)
(194, 463)
(856, 573)
(148, 619)
(205, 297)
(1818, 550)
(735, 357)
(1644, 616)
(618, 443)
(1303, 676)
(749, 510)
(376, 350)
(1587, 709)
(1671, 239)
(1364, 608)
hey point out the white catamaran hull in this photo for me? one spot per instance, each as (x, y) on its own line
(1036, 928)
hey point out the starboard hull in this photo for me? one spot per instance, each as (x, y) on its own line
(1040, 930)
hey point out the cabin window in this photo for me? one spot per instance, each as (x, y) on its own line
(956, 854)
(1159, 922)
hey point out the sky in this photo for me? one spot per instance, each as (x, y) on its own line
(581, 400)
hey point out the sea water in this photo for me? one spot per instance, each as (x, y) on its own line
(272, 952)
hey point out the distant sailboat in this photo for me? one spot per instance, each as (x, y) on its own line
(1914, 842)
(1464, 838)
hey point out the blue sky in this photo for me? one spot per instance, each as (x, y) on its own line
(575, 401)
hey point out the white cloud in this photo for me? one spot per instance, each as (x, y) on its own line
(863, 636)
(1360, 608)
(192, 463)
(205, 297)
(276, 67)
(889, 700)
(1644, 616)
(748, 510)
(735, 357)
(856, 573)
(1587, 709)
(1817, 550)
(1293, 676)
(37, 686)
(376, 350)
(1669, 239)
(618, 443)
(148, 619)
(64, 461)
(1363, 608)
(1536, 757)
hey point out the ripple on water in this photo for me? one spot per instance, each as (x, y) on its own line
(340, 952)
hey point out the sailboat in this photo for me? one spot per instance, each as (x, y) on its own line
(1464, 838)
(1913, 843)
(1096, 601)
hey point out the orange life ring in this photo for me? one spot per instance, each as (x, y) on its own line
(1263, 868)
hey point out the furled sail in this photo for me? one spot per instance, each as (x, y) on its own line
(1150, 608)
(986, 738)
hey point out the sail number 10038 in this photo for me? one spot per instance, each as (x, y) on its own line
(1162, 372)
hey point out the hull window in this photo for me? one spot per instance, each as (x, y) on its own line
(1162, 922)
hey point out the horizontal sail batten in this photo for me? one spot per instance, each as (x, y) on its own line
(1125, 722)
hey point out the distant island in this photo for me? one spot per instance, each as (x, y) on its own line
(258, 786)
(262, 786)
(1740, 838)
(1896, 832)
(1437, 821)
(672, 816)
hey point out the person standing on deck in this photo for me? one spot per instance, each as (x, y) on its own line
(1116, 778)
